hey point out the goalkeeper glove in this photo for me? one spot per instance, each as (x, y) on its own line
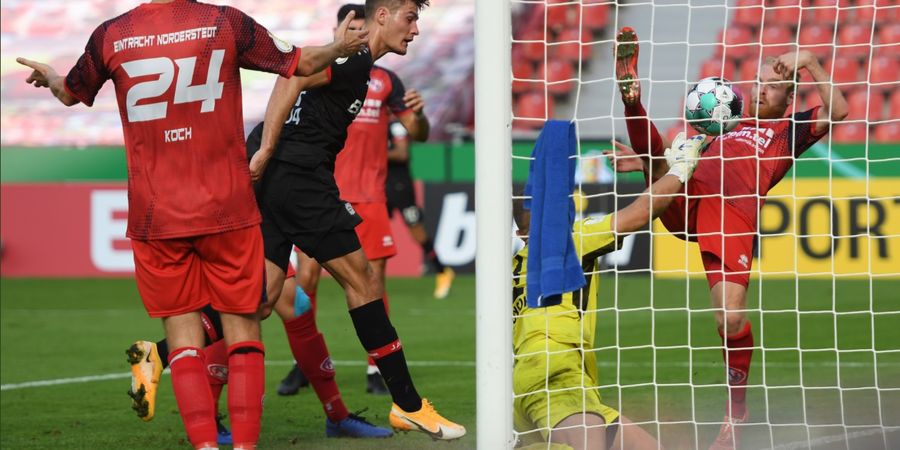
(684, 155)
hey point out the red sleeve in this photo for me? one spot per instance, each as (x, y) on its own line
(395, 98)
(258, 49)
(90, 72)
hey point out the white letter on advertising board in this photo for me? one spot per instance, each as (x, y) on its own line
(106, 229)
(455, 240)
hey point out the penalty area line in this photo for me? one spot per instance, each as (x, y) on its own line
(121, 375)
(358, 363)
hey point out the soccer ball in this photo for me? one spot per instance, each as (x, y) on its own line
(713, 106)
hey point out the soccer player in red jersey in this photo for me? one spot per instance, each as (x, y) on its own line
(729, 186)
(361, 170)
(294, 161)
(193, 221)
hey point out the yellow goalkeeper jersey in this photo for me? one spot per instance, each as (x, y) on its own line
(574, 320)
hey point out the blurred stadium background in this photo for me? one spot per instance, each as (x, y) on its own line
(826, 298)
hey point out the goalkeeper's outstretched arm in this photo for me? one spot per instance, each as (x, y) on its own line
(682, 158)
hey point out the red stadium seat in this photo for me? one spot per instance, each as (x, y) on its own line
(572, 50)
(890, 34)
(782, 12)
(750, 15)
(749, 71)
(884, 69)
(885, 15)
(818, 39)
(887, 133)
(849, 132)
(777, 50)
(740, 42)
(714, 67)
(860, 37)
(864, 14)
(824, 12)
(534, 51)
(845, 70)
(894, 108)
(595, 17)
(523, 69)
(778, 34)
(862, 102)
(558, 71)
(563, 17)
(534, 105)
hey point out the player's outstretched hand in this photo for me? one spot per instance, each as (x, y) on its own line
(684, 155)
(350, 41)
(41, 74)
(623, 159)
(414, 101)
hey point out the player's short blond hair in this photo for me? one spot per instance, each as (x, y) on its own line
(771, 61)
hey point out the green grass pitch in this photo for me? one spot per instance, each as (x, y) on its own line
(60, 329)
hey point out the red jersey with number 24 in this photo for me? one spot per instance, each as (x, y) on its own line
(175, 68)
(361, 167)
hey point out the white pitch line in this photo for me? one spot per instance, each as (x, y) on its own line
(350, 363)
(824, 440)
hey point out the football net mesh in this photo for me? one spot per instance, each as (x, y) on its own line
(823, 298)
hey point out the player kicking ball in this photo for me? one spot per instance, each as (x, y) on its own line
(301, 204)
(546, 408)
(728, 188)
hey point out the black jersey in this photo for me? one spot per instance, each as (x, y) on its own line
(316, 129)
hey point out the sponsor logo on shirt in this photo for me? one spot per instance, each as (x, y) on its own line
(371, 111)
(281, 45)
(376, 85)
(759, 138)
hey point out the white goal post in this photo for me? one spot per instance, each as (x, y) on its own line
(493, 209)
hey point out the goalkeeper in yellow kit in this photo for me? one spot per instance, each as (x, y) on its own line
(557, 403)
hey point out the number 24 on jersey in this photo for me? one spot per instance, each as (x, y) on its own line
(206, 93)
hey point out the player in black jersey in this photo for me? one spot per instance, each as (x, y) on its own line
(401, 196)
(300, 201)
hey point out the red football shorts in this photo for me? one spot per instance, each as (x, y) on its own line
(726, 242)
(225, 270)
(374, 232)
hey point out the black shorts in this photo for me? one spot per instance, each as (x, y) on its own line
(401, 195)
(302, 206)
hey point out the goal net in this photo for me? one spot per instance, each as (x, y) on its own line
(824, 294)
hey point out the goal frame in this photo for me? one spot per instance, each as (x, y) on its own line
(493, 210)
